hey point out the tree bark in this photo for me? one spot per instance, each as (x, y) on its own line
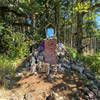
(79, 36)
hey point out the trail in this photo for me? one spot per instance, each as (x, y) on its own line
(68, 85)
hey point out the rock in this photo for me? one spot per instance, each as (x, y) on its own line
(43, 67)
(50, 97)
(78, 63)
(50, 77)
(39, 66)
(14, 97)
(61, 60)
(32, 60)
(8, 77)
(41, 58)
(89, 93)
(89, 76)
(59, 49)
(98, 81)
(54, 96)
(95, 87)
(76, 68)
(86, 97)
(27, 64)
(95, 91)
(66, 61)
(84, 77)
(88, 71)
(62, 54)
(60, 98)
(33, 68)
(54, 69)
(37, 61)
(29, 96)
(42, 53)
(12, 84)
(86, 90)
(35, 73)
(92, 82)
(24, 69)
(68, 67)
(36, 53)
(19, 75)
(58, 53)
(62, 69)
(98, 94)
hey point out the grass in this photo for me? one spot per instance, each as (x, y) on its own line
(8, 66)
(91, 61)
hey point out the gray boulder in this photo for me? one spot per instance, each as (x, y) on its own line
(33, 68)
(41, 58)
(77, 68)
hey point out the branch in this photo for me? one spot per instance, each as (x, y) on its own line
(93, 7)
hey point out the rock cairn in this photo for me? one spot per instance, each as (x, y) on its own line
(65, 62)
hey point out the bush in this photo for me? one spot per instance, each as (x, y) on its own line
(92, 61)
(15, 45)
(13, 48)
(6, 66)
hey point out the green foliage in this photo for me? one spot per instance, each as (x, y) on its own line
(82, 6)
(1, 27)
(92, 61)
(15, 45)
(38, 38)
(71, 50)
(41, 1)
(6, 66)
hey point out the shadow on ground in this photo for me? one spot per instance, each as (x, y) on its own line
(68, 85)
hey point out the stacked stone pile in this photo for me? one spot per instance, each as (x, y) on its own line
(37, 64)
(37, 60)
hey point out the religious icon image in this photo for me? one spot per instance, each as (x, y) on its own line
(50, 32)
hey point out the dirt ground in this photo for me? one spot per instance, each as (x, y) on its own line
(68, 85)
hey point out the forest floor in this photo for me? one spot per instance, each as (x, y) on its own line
(68, 85)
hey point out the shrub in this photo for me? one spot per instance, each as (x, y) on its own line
(15, 45)
(6, 66)
(92, 61)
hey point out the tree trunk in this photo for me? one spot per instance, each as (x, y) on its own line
(79, 36)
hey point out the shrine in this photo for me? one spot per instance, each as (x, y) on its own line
(50, 44)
